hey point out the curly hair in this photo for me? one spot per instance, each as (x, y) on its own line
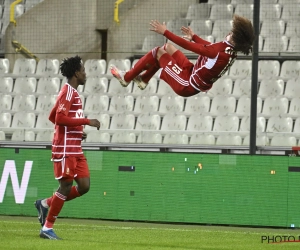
(70, 65)
(242, 34)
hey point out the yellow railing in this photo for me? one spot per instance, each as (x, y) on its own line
(12, 12)
(116, 10)
(20, 48)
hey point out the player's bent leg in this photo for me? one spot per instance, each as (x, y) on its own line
(42, 211)
(83, 185)
(119, 75)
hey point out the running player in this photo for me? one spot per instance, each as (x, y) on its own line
(67, 156)
(185, 78)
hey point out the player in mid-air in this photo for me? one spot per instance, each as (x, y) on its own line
(185, 78)
(67, 156)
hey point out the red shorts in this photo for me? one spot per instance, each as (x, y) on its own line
(71, 167)
(176, 71)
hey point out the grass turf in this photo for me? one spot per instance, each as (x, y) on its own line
(22, 233)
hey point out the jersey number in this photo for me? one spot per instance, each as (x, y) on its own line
(176, 69)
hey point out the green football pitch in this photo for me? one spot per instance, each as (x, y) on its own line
(23, 233)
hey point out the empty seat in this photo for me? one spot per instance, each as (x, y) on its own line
(44, 135)
(198, 11)
(272, 28)
(241, 69)
(244, 104)
(5, 119)
(294, 47)
(278, 124)
(270, 87)
(260, 124)
(292, 27)
(229, 140)
(121, 137)
(226, 123)
(148, 121)
(152, 41)
(164, 89)
(95, 67)
(221, 27)
(296, 126)
(24, 67)
(47, 67)
(290, 69)
(222, 105)
(4, 66)
(22, 135)
(150, 90)
(25, 85)
(23, 120)
(221, 11)
(96, 104)
(242, 86)
(221, 87)
(48, 85)
(245, 10)
(5, 102)
(275, 45)
(2, 136)
(274, 106)
(19, 10)
(149, 137)
(122, 64)
(104, 119)
(197, 104)
(43, 121)
(121, 103)
(292, 88)
(6, 84)
(172, 121)
(270, 11)
(283, 141)
(290, 11)
(261, 140)
(198, 122)
(294, 108)
(202, 27)
(146, 104)
(45, 103)
(95, 85)
(23, 102)
(122, 121)
(176, 138)
(268, 68)
(175, 25)
(115, 88)
(171, 104)
(202, 139)
(98, 136)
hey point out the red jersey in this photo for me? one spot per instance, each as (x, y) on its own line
(213, 61)
(67, 115)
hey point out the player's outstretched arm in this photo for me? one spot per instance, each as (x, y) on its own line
(187, 33)
(157, 27)
(94, 123)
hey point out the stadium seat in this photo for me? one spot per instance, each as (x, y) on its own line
(275, 45)
(175, 25)
(22, 135)
(270, 11)
(292, 88)
(229, 140)
(104, 119)
(278, 124)
(44, 135)
(146, 104)
(5, 119)
(275, 106)
(5, 102)
(245, 10)
(172, 121)
(96, 104)
(198, 11)
(294, 108)
(261, 140)
(24, 67)
(25, 85)
(45, 103)
(260, 124)
(48, 85)
(148, 121)
(121, 103)
(226, 123)
(241, 69)
(197, 104)
(47, 67)
(122, 64)
(293, 47)
(296, 128)
(221, 28)
(199, 122)
(244, 104)
(223, 86)
(150, 90)
(164, 89)
(97, 136)
(242, 86)
(290, 11)
(221, 11)
(43, 121)
(2, 136)
(115, 88)
(95, 67)
(122, 121)
(292, 27)
(290, 69)
(202, 139)
(95, 85)
(152, 41)
(148, 137)
(171, 103)
(270, 87)
(222, 105)
(23, 102)
(268, 68)
(283, 141)
(23, 119)
(121, 137)
(175, 138)
(272, 28)
(4, 66)
(6, 84)
(202, 27)
(19, 10)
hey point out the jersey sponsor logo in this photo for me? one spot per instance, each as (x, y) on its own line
(18, 190)
(61, 107)
(79, 113)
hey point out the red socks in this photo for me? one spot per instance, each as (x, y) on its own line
(57, 203)
(149, 73)
(72, 195)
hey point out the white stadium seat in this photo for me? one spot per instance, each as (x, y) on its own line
(95, 85)
(148, 121)
(115, 88)
(294, 108)
(245, 10)
(6, 84)
(270, 87)
(221, 11)
(198, 122)
(283, 141)
(104, 119)
(241, 69)
(292, 88)
(222, 105)
(203, 139)
(23, 120)
(278, 124)
(274, 106)
(229, 140)
(198, 11)
(47, 67)
(25, 85)
(23, 135)
(122, 64)
(260, 124)
(175, 25)
(226, 124)
(5, 102)
(45, 103)
(171, 104)
(221, 87)
(164, 89)
(150, 90)
(221, 28)
(148, 137)
(24, 67)
(272, 28)
(146, 104)
(23, 102)
(176, 138)
(98, 136)
(4, 66)
(43, 121)
(202, 27)
(121, 103)
(2, 136)
(261, 140)
(48, 85)
(197, 104)
(152, 41)
(269, 11)
(95, 67)
(5, 119)
(242, 86)
(121, 137)
(122, 121)
(268, 68)
(290, 69)
(96, 104)
(172, 121)
(244, 104)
